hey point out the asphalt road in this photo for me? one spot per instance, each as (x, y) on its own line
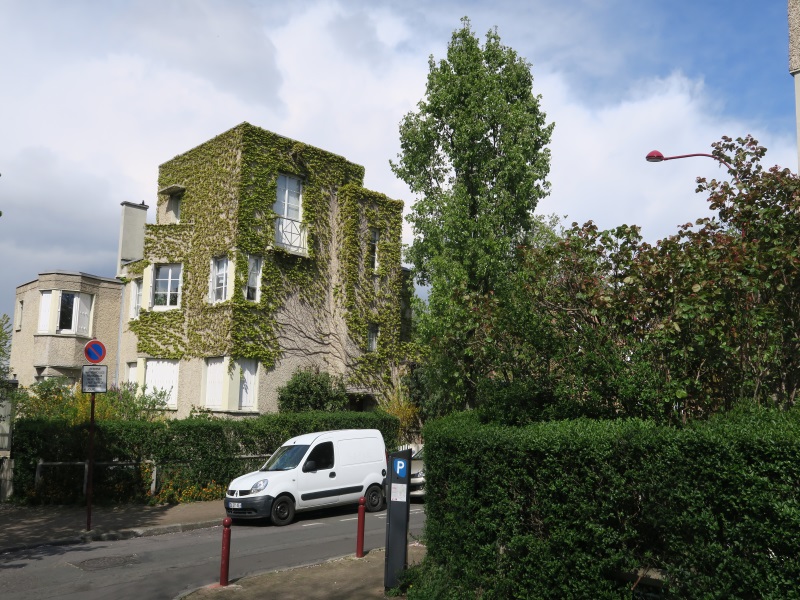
(165, 566)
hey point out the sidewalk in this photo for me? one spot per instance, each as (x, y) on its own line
(30, 526)
(337, 579)
(23, 527)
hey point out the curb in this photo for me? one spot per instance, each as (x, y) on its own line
(110, 536)
(238, 587)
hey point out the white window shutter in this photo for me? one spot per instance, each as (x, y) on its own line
(163, 375)
(247, 383)
(229, 278)
(147, 287)
(58, 300)
(44, 311)
(133, 372)
(211, 282)
(215, 374)
(84, 314)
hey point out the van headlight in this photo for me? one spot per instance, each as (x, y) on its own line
(259, 486)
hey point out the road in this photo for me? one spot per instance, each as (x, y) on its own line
(166, 565)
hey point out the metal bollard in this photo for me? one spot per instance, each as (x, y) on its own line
(362, 509)
(226, 551)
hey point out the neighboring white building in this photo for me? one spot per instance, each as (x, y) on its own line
(54, 316)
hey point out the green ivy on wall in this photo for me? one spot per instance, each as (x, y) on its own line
(226, 210)
(372, 297)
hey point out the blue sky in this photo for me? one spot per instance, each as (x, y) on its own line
(95, 95)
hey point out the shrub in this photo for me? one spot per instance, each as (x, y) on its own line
(57, 398)
(309, 389)
(195, 457)
(570, 509)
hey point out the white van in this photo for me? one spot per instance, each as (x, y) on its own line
(328, 468)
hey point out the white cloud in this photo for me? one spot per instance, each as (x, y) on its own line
(221, 42)
(98, 95)
(598, 166)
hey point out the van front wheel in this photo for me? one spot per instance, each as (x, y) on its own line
(374, 498)
(282, 512)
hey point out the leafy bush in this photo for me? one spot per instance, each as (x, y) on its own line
(309, 389)
(571, 509)
(195, 458)
(57, 398)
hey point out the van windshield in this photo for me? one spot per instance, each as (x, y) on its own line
(285, 458)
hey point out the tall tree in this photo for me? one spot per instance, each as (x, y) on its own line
(6, 391)
(476, 155)
(607, 325)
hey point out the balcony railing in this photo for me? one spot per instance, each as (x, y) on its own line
(291, 235)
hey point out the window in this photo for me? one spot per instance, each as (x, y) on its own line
(163, 375)
(167, 291)
(372, 249)
(215, 382)
(322, 456)
(219, 280)
(44, 311)
(136, 297)
(133, 372)
(289, 198)
(18, 320)
(174, 208)
(252, 290)
(74, 310)
(247, 383)
(372, 337)
(289, 230)
(66, 311)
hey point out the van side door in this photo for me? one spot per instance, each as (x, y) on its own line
(317, 481)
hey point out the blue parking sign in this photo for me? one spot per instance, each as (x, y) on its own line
(400, 467)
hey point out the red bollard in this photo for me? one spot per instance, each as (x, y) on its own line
(362, 509)
(226, 551)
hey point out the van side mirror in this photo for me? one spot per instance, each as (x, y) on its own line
(310, 467)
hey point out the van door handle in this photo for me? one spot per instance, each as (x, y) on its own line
(332, 474)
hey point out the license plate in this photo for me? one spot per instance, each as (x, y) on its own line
(234, 505)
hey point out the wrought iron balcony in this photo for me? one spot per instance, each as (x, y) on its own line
(291, 235)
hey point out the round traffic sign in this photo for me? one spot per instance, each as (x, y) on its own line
(94, 351)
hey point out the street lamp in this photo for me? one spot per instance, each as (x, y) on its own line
(655, 157)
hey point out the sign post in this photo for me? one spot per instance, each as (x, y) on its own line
(94, 379)
(397, 515)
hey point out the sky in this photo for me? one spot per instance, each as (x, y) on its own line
(94, 95)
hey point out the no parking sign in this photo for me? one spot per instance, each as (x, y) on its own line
(94, 351)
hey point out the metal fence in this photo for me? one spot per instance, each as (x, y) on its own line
(42, 465)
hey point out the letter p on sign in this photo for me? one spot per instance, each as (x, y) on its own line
(400, 467)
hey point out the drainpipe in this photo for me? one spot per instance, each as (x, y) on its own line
(119, 334)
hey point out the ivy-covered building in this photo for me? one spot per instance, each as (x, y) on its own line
(267, 255)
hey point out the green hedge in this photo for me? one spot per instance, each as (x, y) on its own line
(196, 457)
(569, 509)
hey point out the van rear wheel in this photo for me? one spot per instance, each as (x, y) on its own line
(282, 512)
(374, 498)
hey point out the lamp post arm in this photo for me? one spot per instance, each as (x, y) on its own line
(700, 154)
(656, 156)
